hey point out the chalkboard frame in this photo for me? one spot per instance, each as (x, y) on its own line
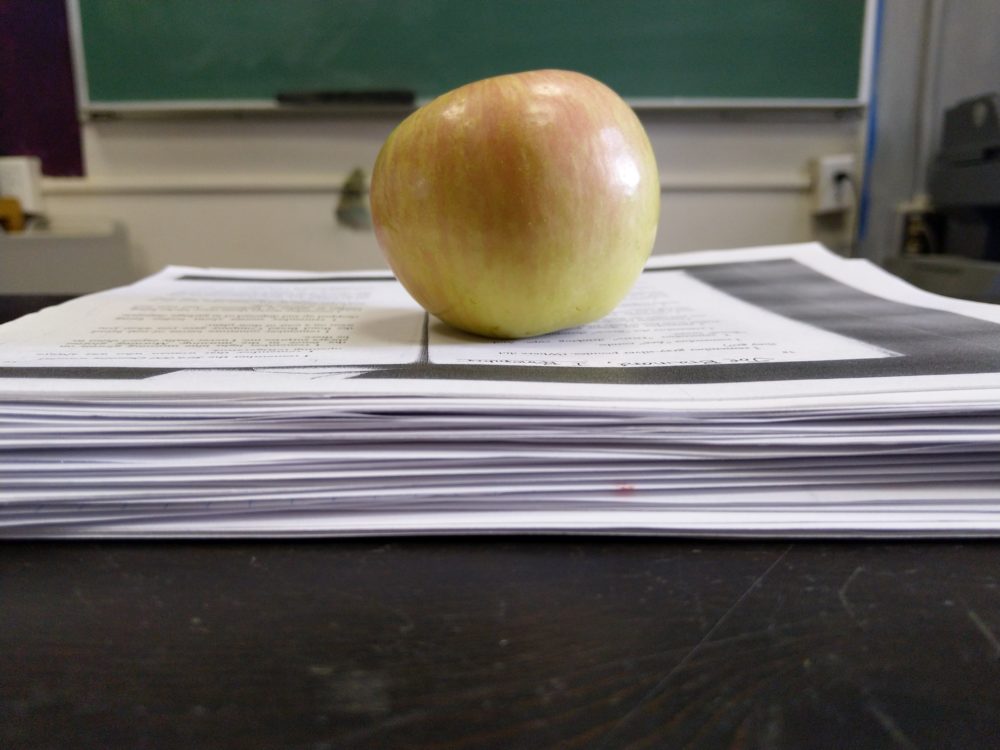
(90, 107)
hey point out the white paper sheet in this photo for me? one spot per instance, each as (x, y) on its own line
(668, 319)
(187, 317)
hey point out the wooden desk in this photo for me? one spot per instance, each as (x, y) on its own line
(500, 643)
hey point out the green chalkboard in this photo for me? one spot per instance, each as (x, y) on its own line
(162, 51)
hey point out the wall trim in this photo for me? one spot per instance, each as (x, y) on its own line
(331, 183)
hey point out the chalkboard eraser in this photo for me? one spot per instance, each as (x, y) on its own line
(375, 98)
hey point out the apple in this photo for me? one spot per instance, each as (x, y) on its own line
(518, 205)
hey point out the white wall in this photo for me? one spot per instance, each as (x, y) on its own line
(935, 53)
(259, 190)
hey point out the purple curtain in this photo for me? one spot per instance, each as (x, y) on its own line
(38, 115)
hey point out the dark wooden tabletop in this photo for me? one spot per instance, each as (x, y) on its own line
(500, 643)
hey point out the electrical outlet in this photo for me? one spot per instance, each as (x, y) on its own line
(835, 184)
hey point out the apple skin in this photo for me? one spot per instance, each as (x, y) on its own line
(518, 205)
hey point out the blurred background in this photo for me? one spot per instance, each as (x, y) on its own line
(139, 134)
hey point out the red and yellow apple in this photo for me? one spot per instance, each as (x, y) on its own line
(518, 205)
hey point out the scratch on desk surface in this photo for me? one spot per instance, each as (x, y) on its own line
(662, 683)
(700, 610)
(985, 629)
(889, 725)
(842, 595)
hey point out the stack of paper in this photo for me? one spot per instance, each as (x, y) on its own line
(777, 390)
